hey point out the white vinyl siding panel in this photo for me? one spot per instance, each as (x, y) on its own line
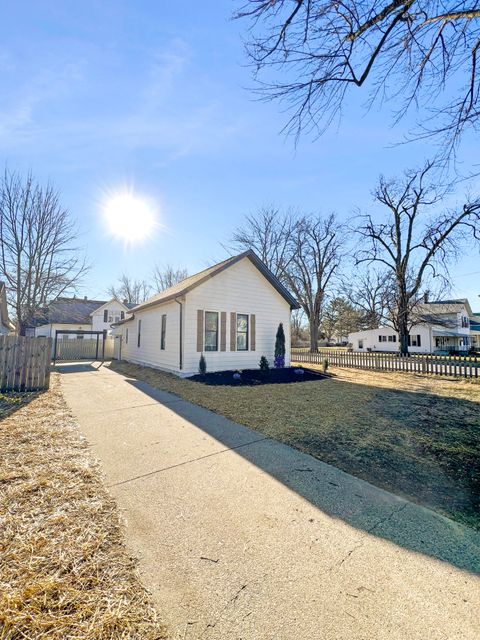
(149, 353)
(240, 289)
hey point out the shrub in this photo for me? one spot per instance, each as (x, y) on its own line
(325, 365)
(202, 365)
(279, 347)
(264, 364)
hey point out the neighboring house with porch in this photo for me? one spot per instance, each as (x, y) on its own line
(443, 326)
(229, 313)
(6, 326)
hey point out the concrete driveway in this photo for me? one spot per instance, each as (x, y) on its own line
(243, 538)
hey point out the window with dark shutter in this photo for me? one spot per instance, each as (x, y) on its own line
(211, 331)
(242, 332)
(139, 332)
(105, 315)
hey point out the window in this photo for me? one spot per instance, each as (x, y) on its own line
(126, 335)
(211, 331)
(163, 330)
(360, 344)
(105, 315)
(139, 332)
(392, 338)
(122, 315)
(382, 338)
(242, 332)
(414, 341)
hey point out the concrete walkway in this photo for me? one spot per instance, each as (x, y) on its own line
(243, 538)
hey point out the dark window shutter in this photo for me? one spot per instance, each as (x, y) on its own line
(200, 330)
(252, 332)
(223, 331)
(233, 331)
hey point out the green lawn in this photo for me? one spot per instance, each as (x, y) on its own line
(416, 436)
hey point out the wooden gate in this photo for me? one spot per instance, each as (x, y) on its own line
(82, 345)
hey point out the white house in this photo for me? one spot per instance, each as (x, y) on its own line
(109, 313)
(79, 314)
(229, 312)
(444, 325)
(6, 326)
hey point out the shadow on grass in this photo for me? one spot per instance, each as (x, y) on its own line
(339, 494)
(11, 401)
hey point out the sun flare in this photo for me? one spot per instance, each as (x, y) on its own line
(129, 217)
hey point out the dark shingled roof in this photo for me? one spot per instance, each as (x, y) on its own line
(68, 311)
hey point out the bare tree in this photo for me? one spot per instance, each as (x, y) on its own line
(414, 52)
(268, 232)
(168, 276)
(412, 243)
(371, 293)
(314, 251)
(38, 258)
(133, 291)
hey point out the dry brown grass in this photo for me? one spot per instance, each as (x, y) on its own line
(64, 570)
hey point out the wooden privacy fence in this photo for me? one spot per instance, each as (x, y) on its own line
(24, 363)
(86, 349)
(456, 366)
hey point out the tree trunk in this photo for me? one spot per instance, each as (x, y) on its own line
(402, 325)
(313, 322)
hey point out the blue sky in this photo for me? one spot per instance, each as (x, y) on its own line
(101, 95)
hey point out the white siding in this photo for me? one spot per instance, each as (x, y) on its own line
(49, 330)
(240, 288)
(371, 340)
(114, 309)
(149, 352)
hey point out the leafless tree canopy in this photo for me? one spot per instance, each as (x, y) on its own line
(133, 291)
(167, 276)
(413, 241)
(371, 293)
(38, 258)
(302, 251)
(414, 52)
(268, 232)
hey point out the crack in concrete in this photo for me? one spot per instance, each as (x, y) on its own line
(360, 544)
(181, 464)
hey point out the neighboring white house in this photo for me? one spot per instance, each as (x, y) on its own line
(79, 314)
(6, 326)
(229, 312)
(445, 326)
(109, 313)
(71, 314)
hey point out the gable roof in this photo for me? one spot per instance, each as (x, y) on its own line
(446, 306)
(68, 311)
(126, 305)
(199, 278)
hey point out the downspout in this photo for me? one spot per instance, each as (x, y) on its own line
(181, 334)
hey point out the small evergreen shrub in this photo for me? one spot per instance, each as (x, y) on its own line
(325, 365)
(264, 364)
(202, 365)
(279, 360)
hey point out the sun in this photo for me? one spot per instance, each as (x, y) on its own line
(129, 217)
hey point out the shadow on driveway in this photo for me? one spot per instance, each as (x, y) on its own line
(336, 493)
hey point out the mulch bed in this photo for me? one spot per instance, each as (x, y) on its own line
(251, 377)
